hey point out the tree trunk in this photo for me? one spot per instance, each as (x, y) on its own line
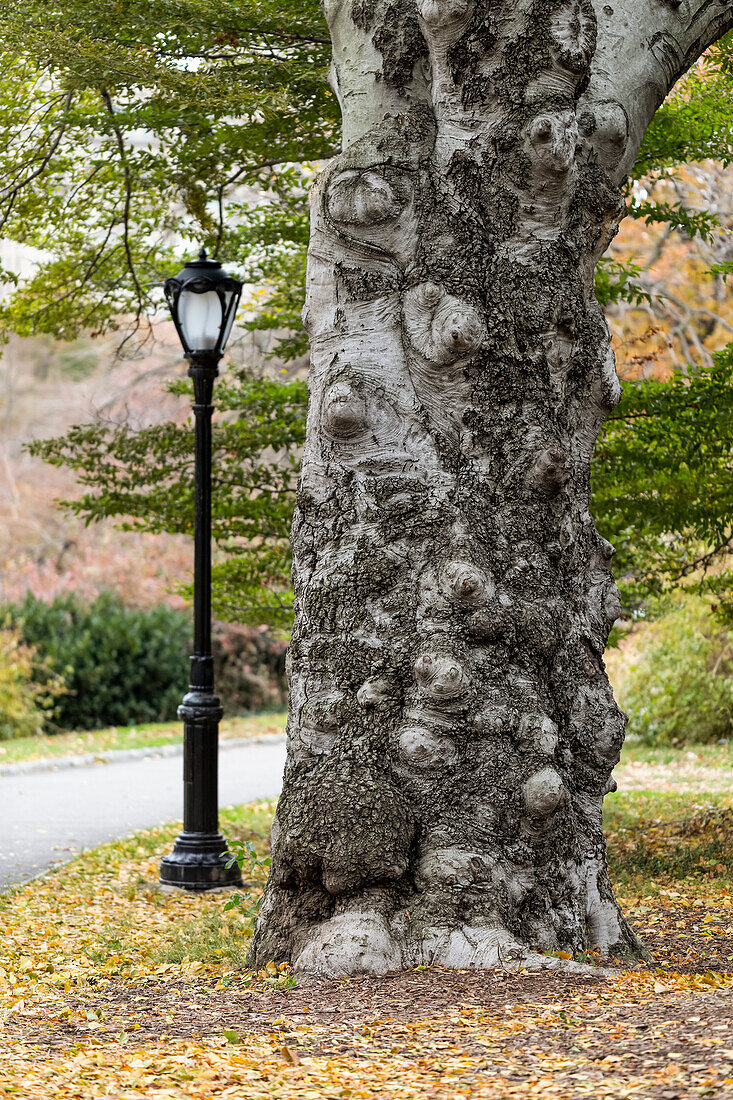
(452, 731)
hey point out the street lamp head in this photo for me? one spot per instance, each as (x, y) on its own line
(203, 300)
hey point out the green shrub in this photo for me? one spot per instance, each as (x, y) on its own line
(679, 688)
(120, 665)
(25, 705)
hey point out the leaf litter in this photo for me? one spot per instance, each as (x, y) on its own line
(113, 989)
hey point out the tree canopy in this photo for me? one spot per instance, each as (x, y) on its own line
(130, 133)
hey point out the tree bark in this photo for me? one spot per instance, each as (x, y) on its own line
(452, 731)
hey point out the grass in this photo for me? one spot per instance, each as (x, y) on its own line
(155, 734)
(104, 913)
(25, 749)
(657, 840)
(213, 936)
(708, 756)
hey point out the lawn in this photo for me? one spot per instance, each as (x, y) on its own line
(153, 735)
(113, 987)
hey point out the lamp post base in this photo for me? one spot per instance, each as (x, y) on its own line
(199, 862)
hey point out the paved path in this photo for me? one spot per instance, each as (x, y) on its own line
(47, 817)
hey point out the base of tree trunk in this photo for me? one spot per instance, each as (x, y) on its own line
(362, 942)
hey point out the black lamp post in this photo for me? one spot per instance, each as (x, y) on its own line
(203, 300)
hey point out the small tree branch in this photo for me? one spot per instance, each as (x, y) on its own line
(11, 193)
(107, 100)
(704, 561)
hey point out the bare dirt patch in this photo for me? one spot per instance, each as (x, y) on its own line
(508, 1030)
(684, 775)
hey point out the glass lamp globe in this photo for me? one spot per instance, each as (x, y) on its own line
(203, 302)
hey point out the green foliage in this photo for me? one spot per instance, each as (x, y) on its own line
(245, 855)
(695, 223)
(695, 121)
(619, 282)
(662, 484)
(119, 665)
(724, 270)
(25, 704)
(662, 479)
(680, 689)
(145, 480)
(123, 124)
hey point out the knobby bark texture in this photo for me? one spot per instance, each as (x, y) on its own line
(452, 731)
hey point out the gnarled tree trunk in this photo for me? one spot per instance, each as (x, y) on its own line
(452, 730)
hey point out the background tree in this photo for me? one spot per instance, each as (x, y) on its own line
(127, 136)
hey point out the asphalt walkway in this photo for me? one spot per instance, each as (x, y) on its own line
(48, 816)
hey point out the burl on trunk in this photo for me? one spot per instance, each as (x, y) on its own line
(452, 730)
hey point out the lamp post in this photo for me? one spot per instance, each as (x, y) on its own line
(203, 300)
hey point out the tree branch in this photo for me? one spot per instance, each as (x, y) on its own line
(107, 100)
(643, 49)
(12, 192)
(705, 560)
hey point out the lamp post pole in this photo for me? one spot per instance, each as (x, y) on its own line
(199, 857)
